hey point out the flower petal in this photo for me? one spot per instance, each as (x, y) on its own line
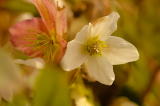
(61, 22)
(100, 69)
(23, 34)
(105, 26)
(73, 57)
(120, 51)
(84, 33)
(59, 3)
(47, 11)
(37, 63)
(54, 17)
(6, 93)
(11, 78)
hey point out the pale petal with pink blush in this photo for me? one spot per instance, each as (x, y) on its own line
(61, 22)
(47, 11)
(23, 35)
(53, 17)
(61, 29)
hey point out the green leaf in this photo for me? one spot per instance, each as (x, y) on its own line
(18, 100)
(51, 88)
(20, 6)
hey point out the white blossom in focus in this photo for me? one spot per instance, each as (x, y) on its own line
(94, 47)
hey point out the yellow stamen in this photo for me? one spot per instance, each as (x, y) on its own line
(47, 44)
(94, 46)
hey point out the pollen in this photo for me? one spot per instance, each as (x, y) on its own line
(94, 46)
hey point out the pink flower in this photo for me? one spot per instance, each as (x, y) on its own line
(42, 37)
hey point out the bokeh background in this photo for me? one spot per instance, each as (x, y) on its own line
(137, 83)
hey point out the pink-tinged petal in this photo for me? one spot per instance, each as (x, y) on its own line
(47, 11)
(52, 16)
(61, 28)
(61, 22)
(24, 33)
(61, 51)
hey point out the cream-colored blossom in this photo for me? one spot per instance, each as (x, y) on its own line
(37, 63)
(59, 3)
(98, 51)
(24, 16)
(11, 80)
(82, 101)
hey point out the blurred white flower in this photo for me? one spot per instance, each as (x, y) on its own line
(82, 101)
(59, 3)
(24, 16)
(11, 80)
(37, 63)
(29, 1)
(98, 51)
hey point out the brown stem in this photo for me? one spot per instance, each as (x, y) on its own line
(156, 68)
(74, 76)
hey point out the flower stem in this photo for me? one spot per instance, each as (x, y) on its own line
(74, 75)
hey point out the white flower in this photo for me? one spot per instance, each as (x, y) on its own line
(11, 80)
(36, 64)
(98, 51)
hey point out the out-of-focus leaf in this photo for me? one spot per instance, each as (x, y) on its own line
(5, 22)
(76, 24)
(122, 101)
(139, 77)
(18, 100)
(51, 88)
(151, 100)
(19, 6)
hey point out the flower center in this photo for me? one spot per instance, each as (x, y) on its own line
(47, 45)
(94, 46)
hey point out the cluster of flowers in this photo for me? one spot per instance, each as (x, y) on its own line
(93, 46)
